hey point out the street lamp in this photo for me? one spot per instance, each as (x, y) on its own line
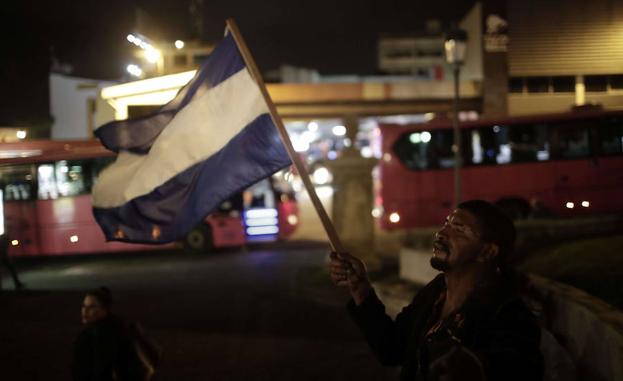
(455, 46)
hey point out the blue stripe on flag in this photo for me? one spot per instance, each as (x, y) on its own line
(138, 135)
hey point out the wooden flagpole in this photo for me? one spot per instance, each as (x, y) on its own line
(334, 239)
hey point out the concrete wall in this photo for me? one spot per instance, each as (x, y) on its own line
(590, 330)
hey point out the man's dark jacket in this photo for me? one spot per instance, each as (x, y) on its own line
(493, 323)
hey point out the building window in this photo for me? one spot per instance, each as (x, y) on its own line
(616, 82)
(199, 58)
(180, 60)
(596, 82)
(537, 84)
(399, 54)
(515, 85)
(563, 84)
(423, 73)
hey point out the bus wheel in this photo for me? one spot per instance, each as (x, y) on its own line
(199, 240)
(514, 208)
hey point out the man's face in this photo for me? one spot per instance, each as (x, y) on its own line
(457, 244)
(92, 310)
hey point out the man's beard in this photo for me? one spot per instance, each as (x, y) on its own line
(439, 264)
(436, 262)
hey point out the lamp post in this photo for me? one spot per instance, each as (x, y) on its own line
(454, 47)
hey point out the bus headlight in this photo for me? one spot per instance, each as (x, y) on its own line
(394, 218)
(15, 242)
(570, 205)
(292, 219)
(586, 204)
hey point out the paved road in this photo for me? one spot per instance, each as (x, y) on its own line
(264, 314)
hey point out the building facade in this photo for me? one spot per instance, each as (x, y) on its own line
(564, 53)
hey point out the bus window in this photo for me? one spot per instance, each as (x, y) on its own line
(17, 183)
(443, 156)
(509, 144)
(611, 136)
(486, 145)
(69, 178)
(46, 182)
(422, 150)
(573, 142)
(528, 143)
(63, 178)
(259, 195)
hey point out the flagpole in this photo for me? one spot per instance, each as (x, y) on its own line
(334, 239)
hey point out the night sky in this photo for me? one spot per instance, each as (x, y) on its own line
(332, 36)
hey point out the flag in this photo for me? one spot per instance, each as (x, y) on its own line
(175, 166)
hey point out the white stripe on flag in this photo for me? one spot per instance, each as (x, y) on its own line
(198, 131)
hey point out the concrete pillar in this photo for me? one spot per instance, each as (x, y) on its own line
(353, 199)
(495, 60)
(580, 91)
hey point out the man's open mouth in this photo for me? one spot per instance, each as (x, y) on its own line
(440, 246)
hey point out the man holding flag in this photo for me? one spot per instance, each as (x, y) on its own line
(469, 323)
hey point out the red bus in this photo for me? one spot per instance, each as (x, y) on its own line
(47, 202)
(565, 164)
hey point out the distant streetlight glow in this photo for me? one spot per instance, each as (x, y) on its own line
(179, 44)
(322, 176)
(376, 212)
(426, 136)
(152, 55)
(312, 126)
(21, 134)
(134, 70)
(339, 130)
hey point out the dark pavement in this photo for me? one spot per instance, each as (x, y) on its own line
(269, 313)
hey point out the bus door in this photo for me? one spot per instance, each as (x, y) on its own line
(576, 171)
(19, 193)
(261, 215)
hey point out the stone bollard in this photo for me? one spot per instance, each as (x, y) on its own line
(353, 200)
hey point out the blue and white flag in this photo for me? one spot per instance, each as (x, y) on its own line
(177, 165)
